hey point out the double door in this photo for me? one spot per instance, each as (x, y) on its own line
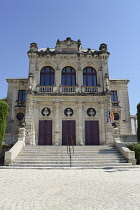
(68, 132)
(91, 132)
(45, 132)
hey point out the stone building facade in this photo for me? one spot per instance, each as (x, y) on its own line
(68, 96)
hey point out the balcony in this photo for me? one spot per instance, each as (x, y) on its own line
(89, 89)
(20, 104)
(45, 89)
(115, 103)
(68, 89)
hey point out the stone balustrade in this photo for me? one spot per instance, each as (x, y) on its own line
(46, 89)
(89, 89)
(20, 103)
(67, 89)
(115, 103)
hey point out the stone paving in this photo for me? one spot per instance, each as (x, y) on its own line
(70, 189)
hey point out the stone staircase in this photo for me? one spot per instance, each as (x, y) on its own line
(57, 157)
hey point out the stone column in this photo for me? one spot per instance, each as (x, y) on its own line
(80, 123)
(79, 78)
(57, 79)
(102, 122)
(57, 123)
(108, 125)
(29, 119)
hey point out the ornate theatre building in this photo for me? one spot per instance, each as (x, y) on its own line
(68, 95)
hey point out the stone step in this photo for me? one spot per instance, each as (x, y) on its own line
(83, 148)
(67, 158)
(57, 157)
(59, 151)
(66, 162)
(66, 154)
(74, 165)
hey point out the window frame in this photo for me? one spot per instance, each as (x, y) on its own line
(114, 95)
(89, 78)
(47, 78)
(22, 95)
(68, 76)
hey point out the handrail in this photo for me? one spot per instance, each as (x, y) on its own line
(70, 148)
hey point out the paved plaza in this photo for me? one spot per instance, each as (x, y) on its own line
(75, 189)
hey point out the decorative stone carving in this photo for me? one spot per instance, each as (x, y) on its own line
(91, 112)
(46, 112)
(68, 112)
(103, 47)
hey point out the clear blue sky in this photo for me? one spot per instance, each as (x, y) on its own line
(114, 22)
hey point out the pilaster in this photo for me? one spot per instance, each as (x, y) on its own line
(80, 123)
(57, 123)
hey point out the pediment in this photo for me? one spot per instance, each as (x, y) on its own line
(68, 45)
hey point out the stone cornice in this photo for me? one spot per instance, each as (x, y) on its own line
(17, 80)
(119, 81)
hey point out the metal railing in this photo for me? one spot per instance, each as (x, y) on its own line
(70, 148)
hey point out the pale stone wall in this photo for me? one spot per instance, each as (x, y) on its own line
(14, 85)
(67, 53)
(134, 124)
(123, 109)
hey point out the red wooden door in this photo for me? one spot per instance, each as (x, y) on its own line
(68, 132)
(91, 132)
(45, 132)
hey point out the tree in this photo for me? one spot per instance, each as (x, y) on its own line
(138, 122)
(3, 115)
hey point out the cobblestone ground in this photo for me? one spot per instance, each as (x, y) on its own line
(30, 189)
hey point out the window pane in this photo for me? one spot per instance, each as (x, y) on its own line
(94, 80)
(47, 76)
(89, 77)
(114, 96)
(89, 80)
(21, 95)
(68, 76)
(85, 80)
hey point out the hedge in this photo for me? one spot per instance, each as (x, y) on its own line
(3, 115)
(138, 122)
(136, 149)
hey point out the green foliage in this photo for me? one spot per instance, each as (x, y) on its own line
(3, 115)
(138, 121)
(136, 149)
(3, 99)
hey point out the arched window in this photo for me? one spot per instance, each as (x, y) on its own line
(68, 76)
(89, 76)
(47, 76)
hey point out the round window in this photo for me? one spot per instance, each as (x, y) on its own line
(68, 112)
(116, 116)
(91, 112)
(20, 116)
(46, 111)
